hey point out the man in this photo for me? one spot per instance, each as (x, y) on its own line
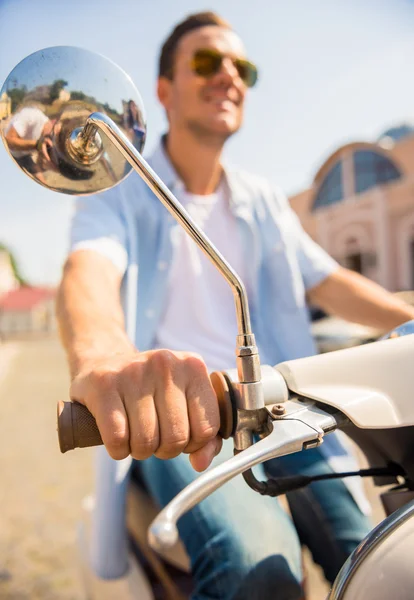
(28, 131)
(157, 403)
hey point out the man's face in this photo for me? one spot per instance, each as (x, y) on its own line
(210, 107)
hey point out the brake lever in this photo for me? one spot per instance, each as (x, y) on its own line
(303, 427)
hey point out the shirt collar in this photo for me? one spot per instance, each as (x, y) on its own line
(161, 164)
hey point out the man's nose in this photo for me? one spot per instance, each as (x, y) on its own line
(228, 70)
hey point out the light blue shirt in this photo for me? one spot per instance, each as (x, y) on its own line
(130, 226)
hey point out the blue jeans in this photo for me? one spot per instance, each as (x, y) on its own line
(243, 546)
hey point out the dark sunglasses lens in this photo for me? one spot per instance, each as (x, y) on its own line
(206, 63)
(247, 72)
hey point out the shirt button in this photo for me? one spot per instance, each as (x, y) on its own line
(149, 313)
(162, 265)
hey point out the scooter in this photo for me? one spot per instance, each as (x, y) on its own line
(267, 411)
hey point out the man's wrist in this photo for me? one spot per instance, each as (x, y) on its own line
(85, 356)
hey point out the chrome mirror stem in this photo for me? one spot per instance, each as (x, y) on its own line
(248, 363)
(100, 121)
(77, 87)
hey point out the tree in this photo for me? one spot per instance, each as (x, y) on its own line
(16, 271)
(16, 95)
(78, 96)
(55, 89)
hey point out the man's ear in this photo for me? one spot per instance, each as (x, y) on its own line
(164, 91)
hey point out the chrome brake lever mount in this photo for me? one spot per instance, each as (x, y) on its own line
(303, 426)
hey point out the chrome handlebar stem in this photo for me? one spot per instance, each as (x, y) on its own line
(111, 130)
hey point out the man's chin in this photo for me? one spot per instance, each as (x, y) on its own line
(224, 132)
(225, 123)
(221, 129)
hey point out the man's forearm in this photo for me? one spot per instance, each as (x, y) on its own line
(16, 142)
(353, 297)
(23, 145)
(90, 318)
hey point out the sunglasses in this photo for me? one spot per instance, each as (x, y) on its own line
(206, 63)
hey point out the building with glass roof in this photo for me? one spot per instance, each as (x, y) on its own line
(360, 207)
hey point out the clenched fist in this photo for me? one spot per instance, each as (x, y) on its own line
(157, 402)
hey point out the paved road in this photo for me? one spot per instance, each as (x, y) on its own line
(41, 490)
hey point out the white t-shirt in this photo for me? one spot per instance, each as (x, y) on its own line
(200, 313)
(28, 123)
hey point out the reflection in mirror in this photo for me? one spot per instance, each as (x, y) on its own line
(404, 329)
(49, 95)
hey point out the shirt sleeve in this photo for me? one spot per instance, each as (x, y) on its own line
(315, 263)
(98, 225)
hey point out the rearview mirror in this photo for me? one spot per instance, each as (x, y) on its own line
(50, 95)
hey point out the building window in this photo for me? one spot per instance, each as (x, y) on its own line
(354, 262)
(371, 169)
(331, 189)
(357, 255)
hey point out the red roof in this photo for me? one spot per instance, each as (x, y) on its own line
(25, 298)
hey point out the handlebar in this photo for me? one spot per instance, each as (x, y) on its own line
(77, 427)
(286, 424)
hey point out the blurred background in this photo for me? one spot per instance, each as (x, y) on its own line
(331, 122)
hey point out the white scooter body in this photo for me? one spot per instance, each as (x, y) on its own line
(367, 372)
(370, 384)
(381, 567)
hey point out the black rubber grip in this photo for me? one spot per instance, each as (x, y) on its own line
(76, 427)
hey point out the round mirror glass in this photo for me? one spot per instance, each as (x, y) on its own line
(48, 96)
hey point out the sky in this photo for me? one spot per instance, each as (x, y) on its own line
(331, 72)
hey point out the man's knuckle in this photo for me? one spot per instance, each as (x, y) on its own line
(171, 447)
(103, 381)
(118, 453)
(196, 363)
(118, 440)
(133, 374)
(204, 433)
(117, 445)
(142, 452)
(164, 361)
(144, 448)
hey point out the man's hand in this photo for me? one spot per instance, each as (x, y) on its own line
(44, 146)
(48, 127)
(158, 402)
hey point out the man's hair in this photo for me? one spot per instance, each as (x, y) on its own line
(191, 23)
